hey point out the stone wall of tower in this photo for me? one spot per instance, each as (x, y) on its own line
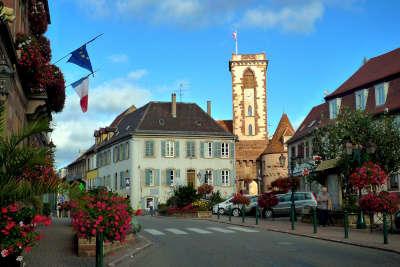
(243, 96)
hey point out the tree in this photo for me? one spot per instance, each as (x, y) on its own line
(25, 171)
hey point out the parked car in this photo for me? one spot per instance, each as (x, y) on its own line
(301, 200)
(223, 207)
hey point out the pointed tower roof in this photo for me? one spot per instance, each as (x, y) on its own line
(284, 129)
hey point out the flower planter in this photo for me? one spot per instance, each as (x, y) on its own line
(87, 248)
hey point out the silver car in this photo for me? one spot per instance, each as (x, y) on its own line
(301, 200)
(223, 207)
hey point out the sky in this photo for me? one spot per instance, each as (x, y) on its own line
(151, 48)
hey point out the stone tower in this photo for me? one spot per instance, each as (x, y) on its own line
(249, 95)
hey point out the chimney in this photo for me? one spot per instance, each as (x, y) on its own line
(209, 108)
(173, 106)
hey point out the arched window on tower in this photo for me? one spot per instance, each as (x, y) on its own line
(250, 129)
(249, 81)
(250, 111)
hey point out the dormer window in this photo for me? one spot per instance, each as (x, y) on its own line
(334, 107)
(381, 91)
(361, 99)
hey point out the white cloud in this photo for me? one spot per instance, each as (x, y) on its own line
(74, 129)
(119, 58)
(137, 74)
(293, 18)
(289, 15)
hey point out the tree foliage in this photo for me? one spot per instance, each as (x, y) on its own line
(363, 131)
(24, 169)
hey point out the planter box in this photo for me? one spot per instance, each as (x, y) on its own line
(197, 214)
(87, 248)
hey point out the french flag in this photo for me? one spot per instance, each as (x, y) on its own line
(81, 87)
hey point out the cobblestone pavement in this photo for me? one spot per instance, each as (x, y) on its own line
(55, 248)
(331, 233)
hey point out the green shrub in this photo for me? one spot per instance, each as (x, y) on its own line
(185, 195)
(162, 209)
(215, 198)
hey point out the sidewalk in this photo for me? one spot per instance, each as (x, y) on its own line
(362, 238)
(56, 249)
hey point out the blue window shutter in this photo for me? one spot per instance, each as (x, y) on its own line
(162, 148)
(231, 150)
(217, 177)
(202, 149)
(188, 149)
(176, 149)
(217, 149)
(151, 148)
(157, 177)
(143, 202)
(147, 175)
(230, 178)
(194, 149)
(202, 173)
(167, 177)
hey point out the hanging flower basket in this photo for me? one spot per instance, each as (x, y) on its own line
(53, 81)
(370, 176)
(29, 60)
(38, 22)
(45, 49)
(240, 199)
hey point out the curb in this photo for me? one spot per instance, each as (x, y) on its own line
(132, 254)
(311, 236)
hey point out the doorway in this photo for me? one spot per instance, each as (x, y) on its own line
(191, 178)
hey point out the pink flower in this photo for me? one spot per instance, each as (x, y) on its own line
(4, 253)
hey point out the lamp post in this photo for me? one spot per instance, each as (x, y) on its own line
(292, 206)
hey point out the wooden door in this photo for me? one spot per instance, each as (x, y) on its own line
(191, 178)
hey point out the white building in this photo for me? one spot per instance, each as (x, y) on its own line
(147, 152)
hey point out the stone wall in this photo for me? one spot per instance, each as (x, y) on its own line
(272, 170)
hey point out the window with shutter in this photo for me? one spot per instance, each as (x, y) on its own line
(176, 150)
(209, 177)
(225, 177)
(208, 150)
(149, 148)
(217, 149)
(169, 149)
(224, 150)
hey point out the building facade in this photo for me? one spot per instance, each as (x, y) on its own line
(275, 156)
(148, 152)
(373, 88)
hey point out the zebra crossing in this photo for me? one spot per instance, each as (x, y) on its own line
(201, 231)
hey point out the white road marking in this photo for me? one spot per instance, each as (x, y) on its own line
(243, 229)
(176, 231)
(154, 232)
(222, 230)
(199, 231)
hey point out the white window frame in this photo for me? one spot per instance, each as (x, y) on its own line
(225, 177)
(208, 150)
(224, 150)
(381, 91)
(361, 99)
(169, 149)
(334, 107)
(210, 180)
(147, 145)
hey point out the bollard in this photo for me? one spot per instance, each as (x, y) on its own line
(346, 224)
(99, 249)
(314, 216)
(257, 215)
(242, 213)
(230, 212)
(385, 230)
(218, 212)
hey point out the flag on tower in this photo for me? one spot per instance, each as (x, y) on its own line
(81, 58)
(81, 87)
(234, 35)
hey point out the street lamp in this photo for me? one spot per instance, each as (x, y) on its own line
(292, 206)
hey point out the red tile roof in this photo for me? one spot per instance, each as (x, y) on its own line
(284, 129)
(318, 116)
(250, 150)
(226, 124)
(374, 70)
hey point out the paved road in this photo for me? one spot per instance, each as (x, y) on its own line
(183, 242)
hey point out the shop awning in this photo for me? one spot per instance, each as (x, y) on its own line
(326, 165)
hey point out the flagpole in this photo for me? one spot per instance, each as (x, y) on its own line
(88, 42)
(83, 77)
(236, 43)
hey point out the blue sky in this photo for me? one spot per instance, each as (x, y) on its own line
(149, 47)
